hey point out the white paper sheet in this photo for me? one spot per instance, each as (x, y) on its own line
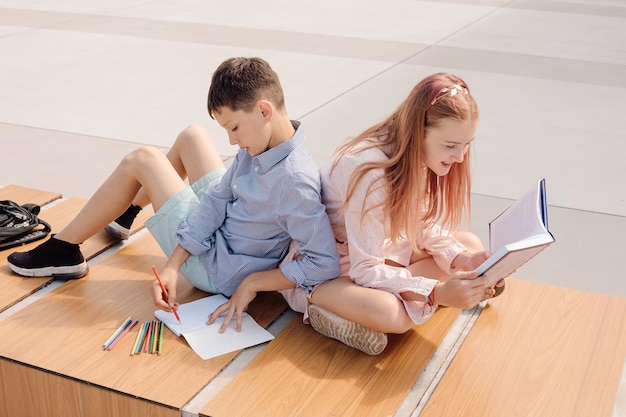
(205, 339)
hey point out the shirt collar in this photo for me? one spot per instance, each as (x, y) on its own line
(271, 157)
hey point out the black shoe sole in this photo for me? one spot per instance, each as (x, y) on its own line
(56, 272)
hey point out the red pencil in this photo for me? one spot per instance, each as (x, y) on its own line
(121, 335)
(156, 274)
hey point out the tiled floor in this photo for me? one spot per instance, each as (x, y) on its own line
(83, 82)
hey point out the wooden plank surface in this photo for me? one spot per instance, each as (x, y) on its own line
(537, 350)
(23, 195)
(15, 287)
(77, 318)
(302, 373)
(33, 392)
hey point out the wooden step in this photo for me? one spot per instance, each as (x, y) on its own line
(537, 350)
(302, 373)
(77, 318)
(22, 195)
(15, 287)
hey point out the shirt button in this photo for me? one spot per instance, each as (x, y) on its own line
(256, 168)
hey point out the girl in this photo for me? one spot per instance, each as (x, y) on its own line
(396, 195)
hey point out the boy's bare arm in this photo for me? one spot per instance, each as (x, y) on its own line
(271, 280)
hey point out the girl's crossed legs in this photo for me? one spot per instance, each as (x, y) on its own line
(377, 309)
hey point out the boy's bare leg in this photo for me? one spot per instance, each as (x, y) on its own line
(192, 155)
(144, 167)
(158, 176)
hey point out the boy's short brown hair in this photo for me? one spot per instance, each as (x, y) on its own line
(238, 83)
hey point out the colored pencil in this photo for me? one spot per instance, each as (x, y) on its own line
(146, 342)
(126, 330)
(117, 333)
(134, 349)
(161, 331)
(142, 335)
(165, 295)
(155, 336)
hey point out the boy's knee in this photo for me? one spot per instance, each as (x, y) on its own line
(193, 132)
(142, 155)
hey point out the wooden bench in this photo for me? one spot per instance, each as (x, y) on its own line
(538, 350)
(302, 373)
(74, 375)
(23, 195)
(51, 356)
(16, 288)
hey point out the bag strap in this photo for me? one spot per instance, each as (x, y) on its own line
(18, 224)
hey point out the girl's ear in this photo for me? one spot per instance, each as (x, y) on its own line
(266, 109)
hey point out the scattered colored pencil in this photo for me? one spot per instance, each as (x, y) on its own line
(126, 330)
(146, 343)
(132, 352)
(140, 339)
(117, 333)
(161, 331)
(149, 336)
(155, 335)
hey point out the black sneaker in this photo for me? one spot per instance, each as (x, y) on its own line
(120, 227)
(55, 258)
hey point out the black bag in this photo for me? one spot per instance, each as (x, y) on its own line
(19, 224)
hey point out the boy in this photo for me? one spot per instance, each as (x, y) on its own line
(229, 230)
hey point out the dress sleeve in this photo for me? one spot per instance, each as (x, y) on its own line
(442, 246)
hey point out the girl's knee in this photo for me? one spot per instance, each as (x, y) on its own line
(388, 315)
(470, 241)
(399, 323)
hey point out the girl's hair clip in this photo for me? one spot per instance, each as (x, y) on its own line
(452, 91)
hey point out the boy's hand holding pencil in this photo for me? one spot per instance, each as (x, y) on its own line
(164, 294)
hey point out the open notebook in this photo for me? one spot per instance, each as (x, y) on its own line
(206, 340)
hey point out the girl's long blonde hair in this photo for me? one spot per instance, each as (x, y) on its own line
(416, 195)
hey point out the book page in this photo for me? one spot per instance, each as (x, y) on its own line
(521, 220)
(193, 315)
(208, 342)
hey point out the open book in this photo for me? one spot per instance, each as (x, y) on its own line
(518, 234)
(206, 340)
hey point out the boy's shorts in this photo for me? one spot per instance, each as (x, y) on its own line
(164, 224)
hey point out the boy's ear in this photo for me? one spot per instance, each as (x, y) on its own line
(266, 108)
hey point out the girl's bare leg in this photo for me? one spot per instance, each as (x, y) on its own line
(376, 309)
